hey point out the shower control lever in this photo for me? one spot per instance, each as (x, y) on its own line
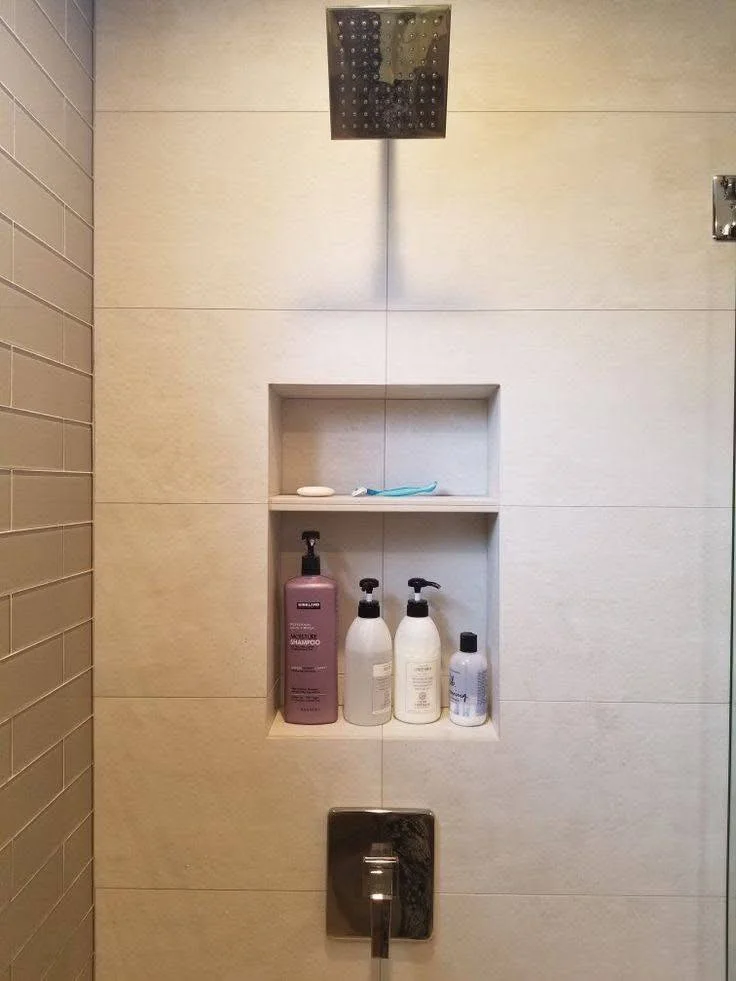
(379, 884)
(724, 208)
(380, 875)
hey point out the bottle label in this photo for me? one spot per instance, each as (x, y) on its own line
(421, 687)
(381, 688)
(308, 605)
(468, 696)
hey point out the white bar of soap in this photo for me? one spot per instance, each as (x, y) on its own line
(315, 491)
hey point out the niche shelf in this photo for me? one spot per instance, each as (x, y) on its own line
(384, 436)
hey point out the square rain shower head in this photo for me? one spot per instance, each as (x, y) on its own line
(388, 71)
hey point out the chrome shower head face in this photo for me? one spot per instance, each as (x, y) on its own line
(388, 71)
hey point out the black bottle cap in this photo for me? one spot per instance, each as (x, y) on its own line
(310, 561)
(368, 608)
(468, 642)
(419, 607)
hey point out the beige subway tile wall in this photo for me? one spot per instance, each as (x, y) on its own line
(46, 906)
(556, 244)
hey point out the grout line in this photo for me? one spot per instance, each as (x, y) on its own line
(36, 356)
(450, 112)
(17, 411)
(450, 311)
(438, 892)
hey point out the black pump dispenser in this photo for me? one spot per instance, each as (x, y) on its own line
(418, 607)
(310, 561)
(369, 608)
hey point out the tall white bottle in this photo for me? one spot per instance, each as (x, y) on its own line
(418, 661)
(368, 663)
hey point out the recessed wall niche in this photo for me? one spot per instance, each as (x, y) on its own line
(386, 436)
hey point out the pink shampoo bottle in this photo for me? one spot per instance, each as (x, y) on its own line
(310, 642)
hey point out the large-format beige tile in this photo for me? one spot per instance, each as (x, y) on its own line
(192, 386)
(41, 386)
(48, 161)
(28, 203)
(616, 604)
(215, 213)
(52, 53)
(30, 324)
(49, 276)
(586, 798)
(597, 407)
(575, 938)
(238, 55)
(30, 441)
(77, 549)
(577, 234)
(29, 558)
(23, 77)
(533, 55)
(166, 623)
(191, 793)
(192, 935)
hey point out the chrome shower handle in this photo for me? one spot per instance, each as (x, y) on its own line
(379, 885)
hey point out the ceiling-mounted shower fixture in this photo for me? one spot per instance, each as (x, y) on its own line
(388, 71)
(724, 208)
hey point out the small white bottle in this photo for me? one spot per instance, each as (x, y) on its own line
(418, 661)
(468, 683)
(368, 663)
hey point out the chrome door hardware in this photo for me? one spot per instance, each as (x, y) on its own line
(380, 875)
(724, 208)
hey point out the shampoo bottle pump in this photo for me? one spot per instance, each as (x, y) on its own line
(368, 663)
(310, 642)
(468, 683)
(418, 661)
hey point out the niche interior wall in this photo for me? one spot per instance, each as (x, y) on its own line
(239, 251)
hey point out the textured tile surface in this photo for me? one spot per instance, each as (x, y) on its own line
(165, 625)
(175, 817)
(209, 940)
(496, 244)
(597, 407)
(616, 604)
(200, 360)
(153, 234)
(605, 799)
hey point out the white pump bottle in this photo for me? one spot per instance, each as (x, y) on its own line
(418, 661)
(368, 663)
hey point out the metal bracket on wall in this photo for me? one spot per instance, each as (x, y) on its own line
(724, 208)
